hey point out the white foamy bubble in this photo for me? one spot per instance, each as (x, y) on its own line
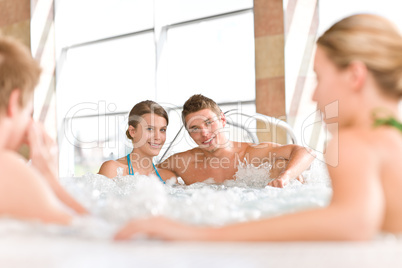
(180, 181)
(209, 181)
(116, 201)
(119, 171)
(171, 181)
(252, 176)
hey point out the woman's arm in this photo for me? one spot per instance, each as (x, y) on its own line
(355, 211)
(173, 164)
(166, 174)
(109, 169)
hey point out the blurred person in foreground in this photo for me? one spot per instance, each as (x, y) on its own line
(27, 191)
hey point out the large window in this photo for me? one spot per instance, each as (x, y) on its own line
(115, 53)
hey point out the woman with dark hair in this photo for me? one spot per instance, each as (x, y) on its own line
(147, 126)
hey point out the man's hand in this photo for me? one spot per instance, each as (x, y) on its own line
(43, 152)
(44, 157)
(283, 179)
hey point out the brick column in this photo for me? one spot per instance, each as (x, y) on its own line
(15, 19)
(269, 66)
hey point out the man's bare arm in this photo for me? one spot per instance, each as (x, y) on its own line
(169, 164)
(299, 158)
(179, 164)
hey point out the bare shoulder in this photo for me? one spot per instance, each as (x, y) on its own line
(388, 137)
(176, 163)
(109, 168)
(171, 160)
(387, 144)
(355, 170)
(7, 155)
(13, 167)
(364, 149)
(11, 163)
(25, 194)
(14, 171)
(351, 141)
(190, 152)
(166, 174)
(250, 147)
(265, 148)
(351, 152)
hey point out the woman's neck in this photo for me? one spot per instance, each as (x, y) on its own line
(6, 137)
(141, 163)
(373, 104)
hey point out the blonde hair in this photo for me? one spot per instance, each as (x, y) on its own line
(197, 103)
(372, 40)
(144, 107)
(18, 70)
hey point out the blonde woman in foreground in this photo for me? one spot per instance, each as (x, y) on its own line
(27, 192)
(358, 63)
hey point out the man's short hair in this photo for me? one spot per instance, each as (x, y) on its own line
(197, 103)
(18, 70)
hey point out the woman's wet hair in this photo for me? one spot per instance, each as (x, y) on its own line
(197, 103)
(145, 107)
(372, 40)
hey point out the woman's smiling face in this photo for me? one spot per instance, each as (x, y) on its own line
(150, 134)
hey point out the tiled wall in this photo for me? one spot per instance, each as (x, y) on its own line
(285, 33)
(15, 19)
(269, 65)
(31, 22)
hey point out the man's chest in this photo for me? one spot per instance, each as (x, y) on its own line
(218, 170)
